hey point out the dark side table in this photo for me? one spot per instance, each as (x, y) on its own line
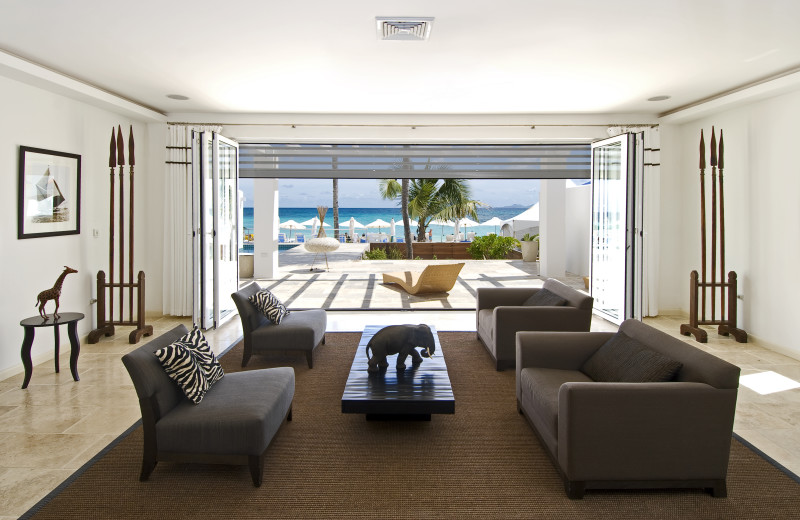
(71, 319)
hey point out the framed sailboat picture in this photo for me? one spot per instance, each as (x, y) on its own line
(49, 193)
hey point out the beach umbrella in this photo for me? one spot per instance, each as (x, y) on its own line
(467, 222)
(380, 223)
(494, 221)
(391, 226)
(442, 223)
(353, 225)
(314, 222)
(291, 225)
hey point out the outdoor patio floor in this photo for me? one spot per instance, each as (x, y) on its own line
(350, 283)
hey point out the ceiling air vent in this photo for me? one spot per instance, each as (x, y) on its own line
(403, 28)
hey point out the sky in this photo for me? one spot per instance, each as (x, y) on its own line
(363, 193)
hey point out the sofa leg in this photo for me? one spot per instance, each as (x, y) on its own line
(310, 358)
(289, 414)
(575, 489)
(148, 465)
(519, 408)
(719, 490)
(323, 339)
(256, 463)
(246, 356)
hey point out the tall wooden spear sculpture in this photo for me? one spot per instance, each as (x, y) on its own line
(121, 164)
(703, 216)
(106, 290)
(131, 162)
(697, 313)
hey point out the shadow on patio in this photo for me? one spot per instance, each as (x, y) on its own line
(351, 283)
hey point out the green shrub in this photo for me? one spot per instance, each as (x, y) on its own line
(492, 247)
(375, 254)
(395, 253)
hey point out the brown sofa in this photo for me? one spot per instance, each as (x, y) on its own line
(628, 435)
(501, 312)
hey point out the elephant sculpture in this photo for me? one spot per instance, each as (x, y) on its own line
(402, 340)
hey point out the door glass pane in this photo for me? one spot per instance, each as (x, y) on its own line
(609, 217)
(208, 232)
(227, 236)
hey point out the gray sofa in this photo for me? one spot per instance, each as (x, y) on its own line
(233, 424)
(628, 435)
(300, 330)
(500, 313)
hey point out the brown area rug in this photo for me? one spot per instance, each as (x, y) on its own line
(482, 462)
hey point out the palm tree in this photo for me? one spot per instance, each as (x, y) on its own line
(391, 189)
(336, 208)
(335, 166)
(431, 199)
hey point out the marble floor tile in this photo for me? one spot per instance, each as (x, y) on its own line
(46, 419)
(22, 488)
(36, 450)
(104, 419)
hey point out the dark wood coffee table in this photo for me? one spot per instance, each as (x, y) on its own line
(413, 393)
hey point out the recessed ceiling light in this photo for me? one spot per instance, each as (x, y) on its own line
(178, 97)
(659, 98)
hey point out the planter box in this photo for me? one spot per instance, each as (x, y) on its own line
(441, 250)
(530, 250)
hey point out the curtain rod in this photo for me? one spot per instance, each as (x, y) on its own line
(415, 126)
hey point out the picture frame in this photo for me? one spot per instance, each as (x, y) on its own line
(49, 189)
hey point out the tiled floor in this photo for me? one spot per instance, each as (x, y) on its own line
(54, 426)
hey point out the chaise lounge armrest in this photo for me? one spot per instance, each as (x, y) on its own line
(627, 431)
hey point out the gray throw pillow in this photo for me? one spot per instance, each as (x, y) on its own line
(622, 359)
(543, 297)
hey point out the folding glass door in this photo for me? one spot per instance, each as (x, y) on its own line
(616, 228)
(215, 192)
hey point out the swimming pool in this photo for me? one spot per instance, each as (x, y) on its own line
(248, 248)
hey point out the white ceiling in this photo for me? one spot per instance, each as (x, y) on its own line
(498, 57)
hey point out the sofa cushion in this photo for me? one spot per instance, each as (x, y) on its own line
(623, 359)
(543, 297)
(239, 415)
(540, 388)
(270, 306)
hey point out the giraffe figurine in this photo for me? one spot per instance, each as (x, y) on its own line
(53, 293)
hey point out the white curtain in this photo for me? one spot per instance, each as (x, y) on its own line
(177, 261)
(651, 216)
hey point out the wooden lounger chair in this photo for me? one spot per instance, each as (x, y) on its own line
(432, 279)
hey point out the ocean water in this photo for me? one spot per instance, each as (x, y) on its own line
(367, 215)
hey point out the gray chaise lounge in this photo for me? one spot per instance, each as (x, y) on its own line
(300, 330)
(500, 313)
(233, 424)
(628, 435)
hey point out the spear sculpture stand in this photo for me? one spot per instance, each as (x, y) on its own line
(107, 290)
(698, 286)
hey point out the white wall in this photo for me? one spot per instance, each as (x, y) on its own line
(37, 118)
(762, 214)
(578, 228)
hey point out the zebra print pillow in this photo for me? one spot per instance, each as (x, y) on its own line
(199, 347)
(182, 367)
(270, 306)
